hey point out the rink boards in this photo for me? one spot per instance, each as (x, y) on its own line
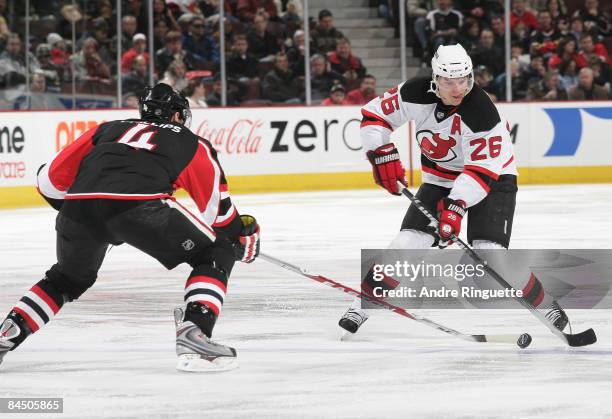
(318, 148)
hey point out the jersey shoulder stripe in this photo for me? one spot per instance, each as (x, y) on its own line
(478, 111)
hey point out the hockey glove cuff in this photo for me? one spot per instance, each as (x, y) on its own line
(246, 249)
(387, 167)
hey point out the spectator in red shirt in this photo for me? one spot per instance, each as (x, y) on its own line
(566, 51)
(59, 54)
(365, 93)
(344, 62)
(521, 14)
(589, 48)
(139, 47)
(89, 66)
(336, 96)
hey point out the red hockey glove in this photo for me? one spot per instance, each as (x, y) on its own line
(450, 214)
(387, 167)
(247, 247)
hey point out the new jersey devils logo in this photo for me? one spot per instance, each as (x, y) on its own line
(436, 148)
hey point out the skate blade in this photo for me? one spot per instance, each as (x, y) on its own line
(194, 363)
(346, 335)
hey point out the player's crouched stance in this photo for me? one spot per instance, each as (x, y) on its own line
(114, 185)
(467, 161)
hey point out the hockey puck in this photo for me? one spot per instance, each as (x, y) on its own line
(524, 340)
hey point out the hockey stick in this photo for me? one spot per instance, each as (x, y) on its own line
(383, 304)
(584, 338)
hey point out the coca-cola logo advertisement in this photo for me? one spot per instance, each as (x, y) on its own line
(280, 133)
(241, 136)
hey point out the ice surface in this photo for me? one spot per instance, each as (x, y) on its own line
(111, 354)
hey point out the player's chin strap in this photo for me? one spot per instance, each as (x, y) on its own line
(383, 304)
(587, 337)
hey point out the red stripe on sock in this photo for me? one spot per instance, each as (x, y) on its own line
(27, 318)
(45, 297)
(539, 299)
(529, 286)
(393, 283)
(365, 289)
(206, 279)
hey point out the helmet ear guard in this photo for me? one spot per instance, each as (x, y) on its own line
(186, 115)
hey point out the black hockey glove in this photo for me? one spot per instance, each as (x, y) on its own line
(246, 249)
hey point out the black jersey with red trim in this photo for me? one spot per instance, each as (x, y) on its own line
(464, 148)
(140, 160)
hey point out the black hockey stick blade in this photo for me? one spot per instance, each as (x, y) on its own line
(585, 338)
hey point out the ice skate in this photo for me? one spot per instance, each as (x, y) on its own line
(11, 334)
(557, 316)
(198, 353)
(352, 320)
(5, 346)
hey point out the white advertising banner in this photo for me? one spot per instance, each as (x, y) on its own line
(284, 140)
(249, 141)
(318, 139)
(29, 139)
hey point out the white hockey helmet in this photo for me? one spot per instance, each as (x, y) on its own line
(451, 61)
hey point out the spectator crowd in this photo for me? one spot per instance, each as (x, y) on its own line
(73, 47)
(559, 50)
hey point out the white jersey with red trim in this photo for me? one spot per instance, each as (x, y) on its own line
(464, 148)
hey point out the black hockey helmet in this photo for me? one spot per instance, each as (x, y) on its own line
(161, 102)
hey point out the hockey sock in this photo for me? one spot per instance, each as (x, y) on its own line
(35, 309)
(206, 286)
(533, 292)
(369, 283)
(202, 316)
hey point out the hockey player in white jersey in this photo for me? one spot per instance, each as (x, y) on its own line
(467, 164)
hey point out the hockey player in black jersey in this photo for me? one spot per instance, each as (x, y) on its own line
(115, 185)
(467, 162)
